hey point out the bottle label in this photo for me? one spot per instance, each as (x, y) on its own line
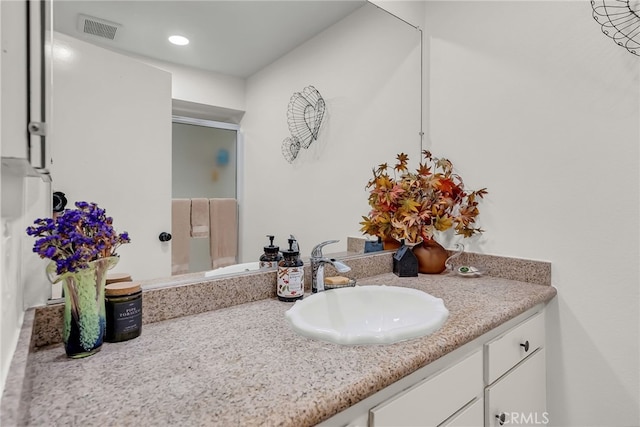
(127, 316)
(268, 264)
(290, 282)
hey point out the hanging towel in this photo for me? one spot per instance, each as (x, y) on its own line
(223, 214)
(180, 232)
(200, 218)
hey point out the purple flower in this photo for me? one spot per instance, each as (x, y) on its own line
(50, 252)
(76, 237)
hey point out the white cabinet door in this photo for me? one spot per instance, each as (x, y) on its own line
(13, 78)
(519, 397)
(111, 132)
(432, 401)
(23, 80)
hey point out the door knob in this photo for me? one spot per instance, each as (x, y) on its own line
(525, 345)
(164, 236)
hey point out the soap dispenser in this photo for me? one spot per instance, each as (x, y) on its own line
(290, 284)
(271, 256)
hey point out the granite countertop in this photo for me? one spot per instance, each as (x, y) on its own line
(243, 365)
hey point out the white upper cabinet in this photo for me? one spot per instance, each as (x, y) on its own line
(25, 78)
(13, 72)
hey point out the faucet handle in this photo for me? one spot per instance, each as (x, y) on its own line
(317, 249)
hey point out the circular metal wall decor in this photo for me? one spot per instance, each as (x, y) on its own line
(304, 118)
(620, 20)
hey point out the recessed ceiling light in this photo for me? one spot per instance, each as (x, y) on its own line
(179, 40)
(62, 52)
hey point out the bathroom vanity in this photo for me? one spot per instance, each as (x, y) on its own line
(491, 381)
(243, 365)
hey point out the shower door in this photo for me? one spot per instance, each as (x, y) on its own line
(204, 165)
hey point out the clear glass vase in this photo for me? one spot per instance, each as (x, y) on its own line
(84, 321)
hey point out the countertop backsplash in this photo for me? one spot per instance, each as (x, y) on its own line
(201, 294)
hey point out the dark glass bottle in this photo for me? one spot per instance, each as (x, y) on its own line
(271, 256)
(290, 284)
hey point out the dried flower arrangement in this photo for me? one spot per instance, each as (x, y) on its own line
(413, 205)
(76, 237)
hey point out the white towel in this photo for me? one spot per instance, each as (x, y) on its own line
(200, 218)
(223, 214)
(180, 235)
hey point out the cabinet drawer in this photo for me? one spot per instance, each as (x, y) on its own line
(507, 350)
(519, 398)
(430, 402)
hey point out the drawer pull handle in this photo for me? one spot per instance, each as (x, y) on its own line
(525, 345)
(501, 418)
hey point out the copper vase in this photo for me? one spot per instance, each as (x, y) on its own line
(431, 257)
(390, 243)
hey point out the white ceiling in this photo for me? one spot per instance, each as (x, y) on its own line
(235, 38)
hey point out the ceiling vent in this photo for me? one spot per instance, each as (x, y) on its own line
(97, 27)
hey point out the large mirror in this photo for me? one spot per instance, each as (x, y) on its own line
(243, 63)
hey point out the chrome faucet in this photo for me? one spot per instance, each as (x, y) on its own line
(318, 262)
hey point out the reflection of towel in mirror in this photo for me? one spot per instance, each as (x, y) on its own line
(180, 235)
(200, 218)
(223, 214)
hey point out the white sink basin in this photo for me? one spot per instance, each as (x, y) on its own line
(367, 315)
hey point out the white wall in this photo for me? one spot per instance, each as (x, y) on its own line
(531, 100)
(202, 87)
(410, 11)
(367, 68)
(21, 198)
(12, 79)
(10, 293)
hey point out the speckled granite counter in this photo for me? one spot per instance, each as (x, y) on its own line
(243, 366)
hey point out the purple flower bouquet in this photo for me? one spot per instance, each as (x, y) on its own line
(81, 245)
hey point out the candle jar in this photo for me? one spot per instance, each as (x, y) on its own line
(123, 306)
(118, 277)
